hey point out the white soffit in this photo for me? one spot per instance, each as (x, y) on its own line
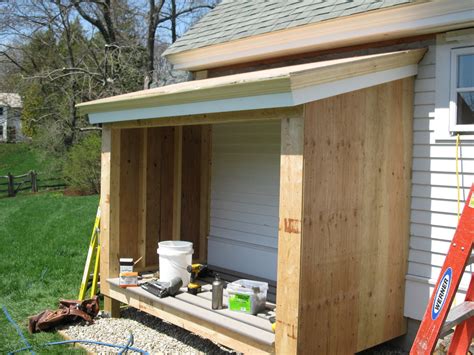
(280, 87)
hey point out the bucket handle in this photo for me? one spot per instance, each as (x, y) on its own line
(174, 263)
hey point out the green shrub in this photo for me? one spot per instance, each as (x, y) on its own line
(82, 168)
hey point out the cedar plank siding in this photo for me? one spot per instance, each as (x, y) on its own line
(433, 207)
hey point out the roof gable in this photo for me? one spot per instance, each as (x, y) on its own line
(236, 19)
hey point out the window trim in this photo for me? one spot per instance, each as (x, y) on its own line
(445, 43)
(454, 126)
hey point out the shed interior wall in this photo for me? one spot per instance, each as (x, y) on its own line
(149, 186)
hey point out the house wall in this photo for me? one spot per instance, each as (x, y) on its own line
(3, 123)
(434, 193)
(244, 197)
(10, 119)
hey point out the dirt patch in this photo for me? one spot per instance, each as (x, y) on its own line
(75, 192)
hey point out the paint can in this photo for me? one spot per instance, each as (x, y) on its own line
(174, 258)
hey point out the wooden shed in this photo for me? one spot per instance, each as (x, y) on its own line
(343, 131)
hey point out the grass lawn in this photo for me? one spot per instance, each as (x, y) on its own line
(44, 239)
(19, 159)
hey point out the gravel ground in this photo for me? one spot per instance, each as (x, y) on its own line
(150, 334)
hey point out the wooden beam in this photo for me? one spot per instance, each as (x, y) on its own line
(153, 196)
(202, 74)
(130, 147)
(191, 187)
(177, 185)
(110, 207)
(214, 118)
(167, 183)
(205, 190)
(142, 197)
(290, 235)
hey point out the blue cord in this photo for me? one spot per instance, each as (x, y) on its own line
(126, 347)
(29, 347)
(18, 330)
(130, 343)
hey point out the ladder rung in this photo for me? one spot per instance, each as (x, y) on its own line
(457, 315)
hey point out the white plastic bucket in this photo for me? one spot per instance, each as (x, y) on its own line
(174, 258)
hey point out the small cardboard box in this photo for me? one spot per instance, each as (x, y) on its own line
(128, 279)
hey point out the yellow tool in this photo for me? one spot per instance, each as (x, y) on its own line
(94, 250)
(195, 269)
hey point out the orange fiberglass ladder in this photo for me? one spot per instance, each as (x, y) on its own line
(436, 321)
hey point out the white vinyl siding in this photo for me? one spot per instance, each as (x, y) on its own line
(245, 187)
(434, 193)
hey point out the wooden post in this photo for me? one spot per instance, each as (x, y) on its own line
(109, 206)
(204, 223)
(34, 186)
(177, 186)
(142, 198)
(11, 186)
(290, 235)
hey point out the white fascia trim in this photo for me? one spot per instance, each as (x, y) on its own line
(213, 106)
(291, 98)
(402, 21)
(339, 87)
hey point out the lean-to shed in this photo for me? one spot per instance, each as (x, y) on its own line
(299, 174)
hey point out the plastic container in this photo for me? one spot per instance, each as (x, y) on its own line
(174, 258)
(247, 296)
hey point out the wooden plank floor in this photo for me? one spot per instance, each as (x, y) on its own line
(242, 332)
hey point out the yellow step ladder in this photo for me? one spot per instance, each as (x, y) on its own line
(94, 251)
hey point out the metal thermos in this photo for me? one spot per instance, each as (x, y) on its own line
(217, 293)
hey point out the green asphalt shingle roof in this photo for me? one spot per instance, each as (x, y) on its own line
(236, 19)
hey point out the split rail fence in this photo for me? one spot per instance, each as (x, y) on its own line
(30, 181)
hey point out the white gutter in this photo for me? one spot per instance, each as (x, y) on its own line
(397, 22)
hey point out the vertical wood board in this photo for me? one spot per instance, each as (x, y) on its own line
(129, 192)
(109, 205)
(177, 179)
(205, 190)
(142, 197)
(357, 150)
(153, 196)
(289, 237)
(191, 186)
(167, 184)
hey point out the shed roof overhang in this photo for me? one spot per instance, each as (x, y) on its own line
(273, 88)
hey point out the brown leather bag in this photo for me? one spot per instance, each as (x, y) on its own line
(69, 311)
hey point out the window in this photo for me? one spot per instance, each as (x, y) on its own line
(1, 131)
(461, 107)
(1, 111)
